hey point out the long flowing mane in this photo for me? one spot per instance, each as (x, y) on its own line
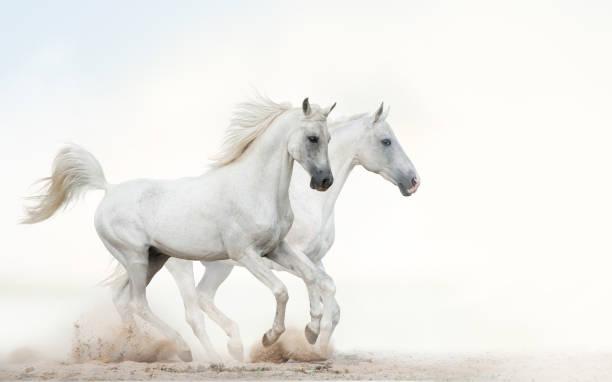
(249, 120)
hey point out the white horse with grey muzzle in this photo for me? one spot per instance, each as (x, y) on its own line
(364, 139)
(237, 210)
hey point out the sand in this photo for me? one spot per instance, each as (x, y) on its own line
(123, 353)
(344, 366)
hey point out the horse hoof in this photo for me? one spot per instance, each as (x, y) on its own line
(324, 352)
(235, 350)
(268, 339)
(185, 356)
(311, 336)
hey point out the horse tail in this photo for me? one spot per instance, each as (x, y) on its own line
(75, 171)
(116, 279)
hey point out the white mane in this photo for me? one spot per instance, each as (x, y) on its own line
(345, 119)
(250, 119)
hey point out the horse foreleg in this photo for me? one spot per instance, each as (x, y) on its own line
(252, 261)
(299, 265)
(320, 287)
(335, 308)
(215, 274)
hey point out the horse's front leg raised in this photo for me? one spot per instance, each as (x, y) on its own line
(320, 288)
(335, 308)
(252, 261)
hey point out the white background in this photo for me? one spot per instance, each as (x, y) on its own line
(504, 107)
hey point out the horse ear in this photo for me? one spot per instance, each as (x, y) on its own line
(386, 113)
(306, 107)
(378, 113)
(328, 110)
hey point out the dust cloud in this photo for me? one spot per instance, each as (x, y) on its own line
(96, 340)
(291, 346)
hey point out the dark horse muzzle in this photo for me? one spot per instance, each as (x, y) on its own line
(321, 180)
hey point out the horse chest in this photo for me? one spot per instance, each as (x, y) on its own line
(324, 243)
(320, 241)
(271, 230)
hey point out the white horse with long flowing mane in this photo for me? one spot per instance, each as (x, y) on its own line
(364, 139)
(237, 210)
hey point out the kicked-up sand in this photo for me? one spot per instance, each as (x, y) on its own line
(347, 366)
(131, 355)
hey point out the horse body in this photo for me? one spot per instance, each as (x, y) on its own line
(211, 217)
(151, 207)
(238, 210)
(356, 141)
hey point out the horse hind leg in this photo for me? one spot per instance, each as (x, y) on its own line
(141, 264)
(121, 299)
(119, 282)
(140, 276)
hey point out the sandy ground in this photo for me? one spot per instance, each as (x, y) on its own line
(357, 366)
(124, 353)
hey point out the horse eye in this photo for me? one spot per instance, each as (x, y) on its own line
(386, 142)
(313, 139)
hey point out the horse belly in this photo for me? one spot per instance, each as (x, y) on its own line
(189, 239)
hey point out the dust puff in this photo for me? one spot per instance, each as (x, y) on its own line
(117, 343)
(292, 345)
(24, 355)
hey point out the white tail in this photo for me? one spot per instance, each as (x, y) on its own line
(75, 170)
(116, 279)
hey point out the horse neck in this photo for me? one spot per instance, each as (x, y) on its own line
(342, 153)
(268, 163)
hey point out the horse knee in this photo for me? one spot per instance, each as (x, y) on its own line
(327, 287)
(309, 278)
(207, 292)
(281, 294)
(205, 301)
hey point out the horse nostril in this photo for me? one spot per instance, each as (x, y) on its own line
(415, 181)
(326, 182)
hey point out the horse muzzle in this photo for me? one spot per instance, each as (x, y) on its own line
(321, 180)
(414, 185)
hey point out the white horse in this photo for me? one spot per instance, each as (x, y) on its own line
(364, 139)
(237, 210)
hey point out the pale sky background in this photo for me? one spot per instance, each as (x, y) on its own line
(504, 107)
